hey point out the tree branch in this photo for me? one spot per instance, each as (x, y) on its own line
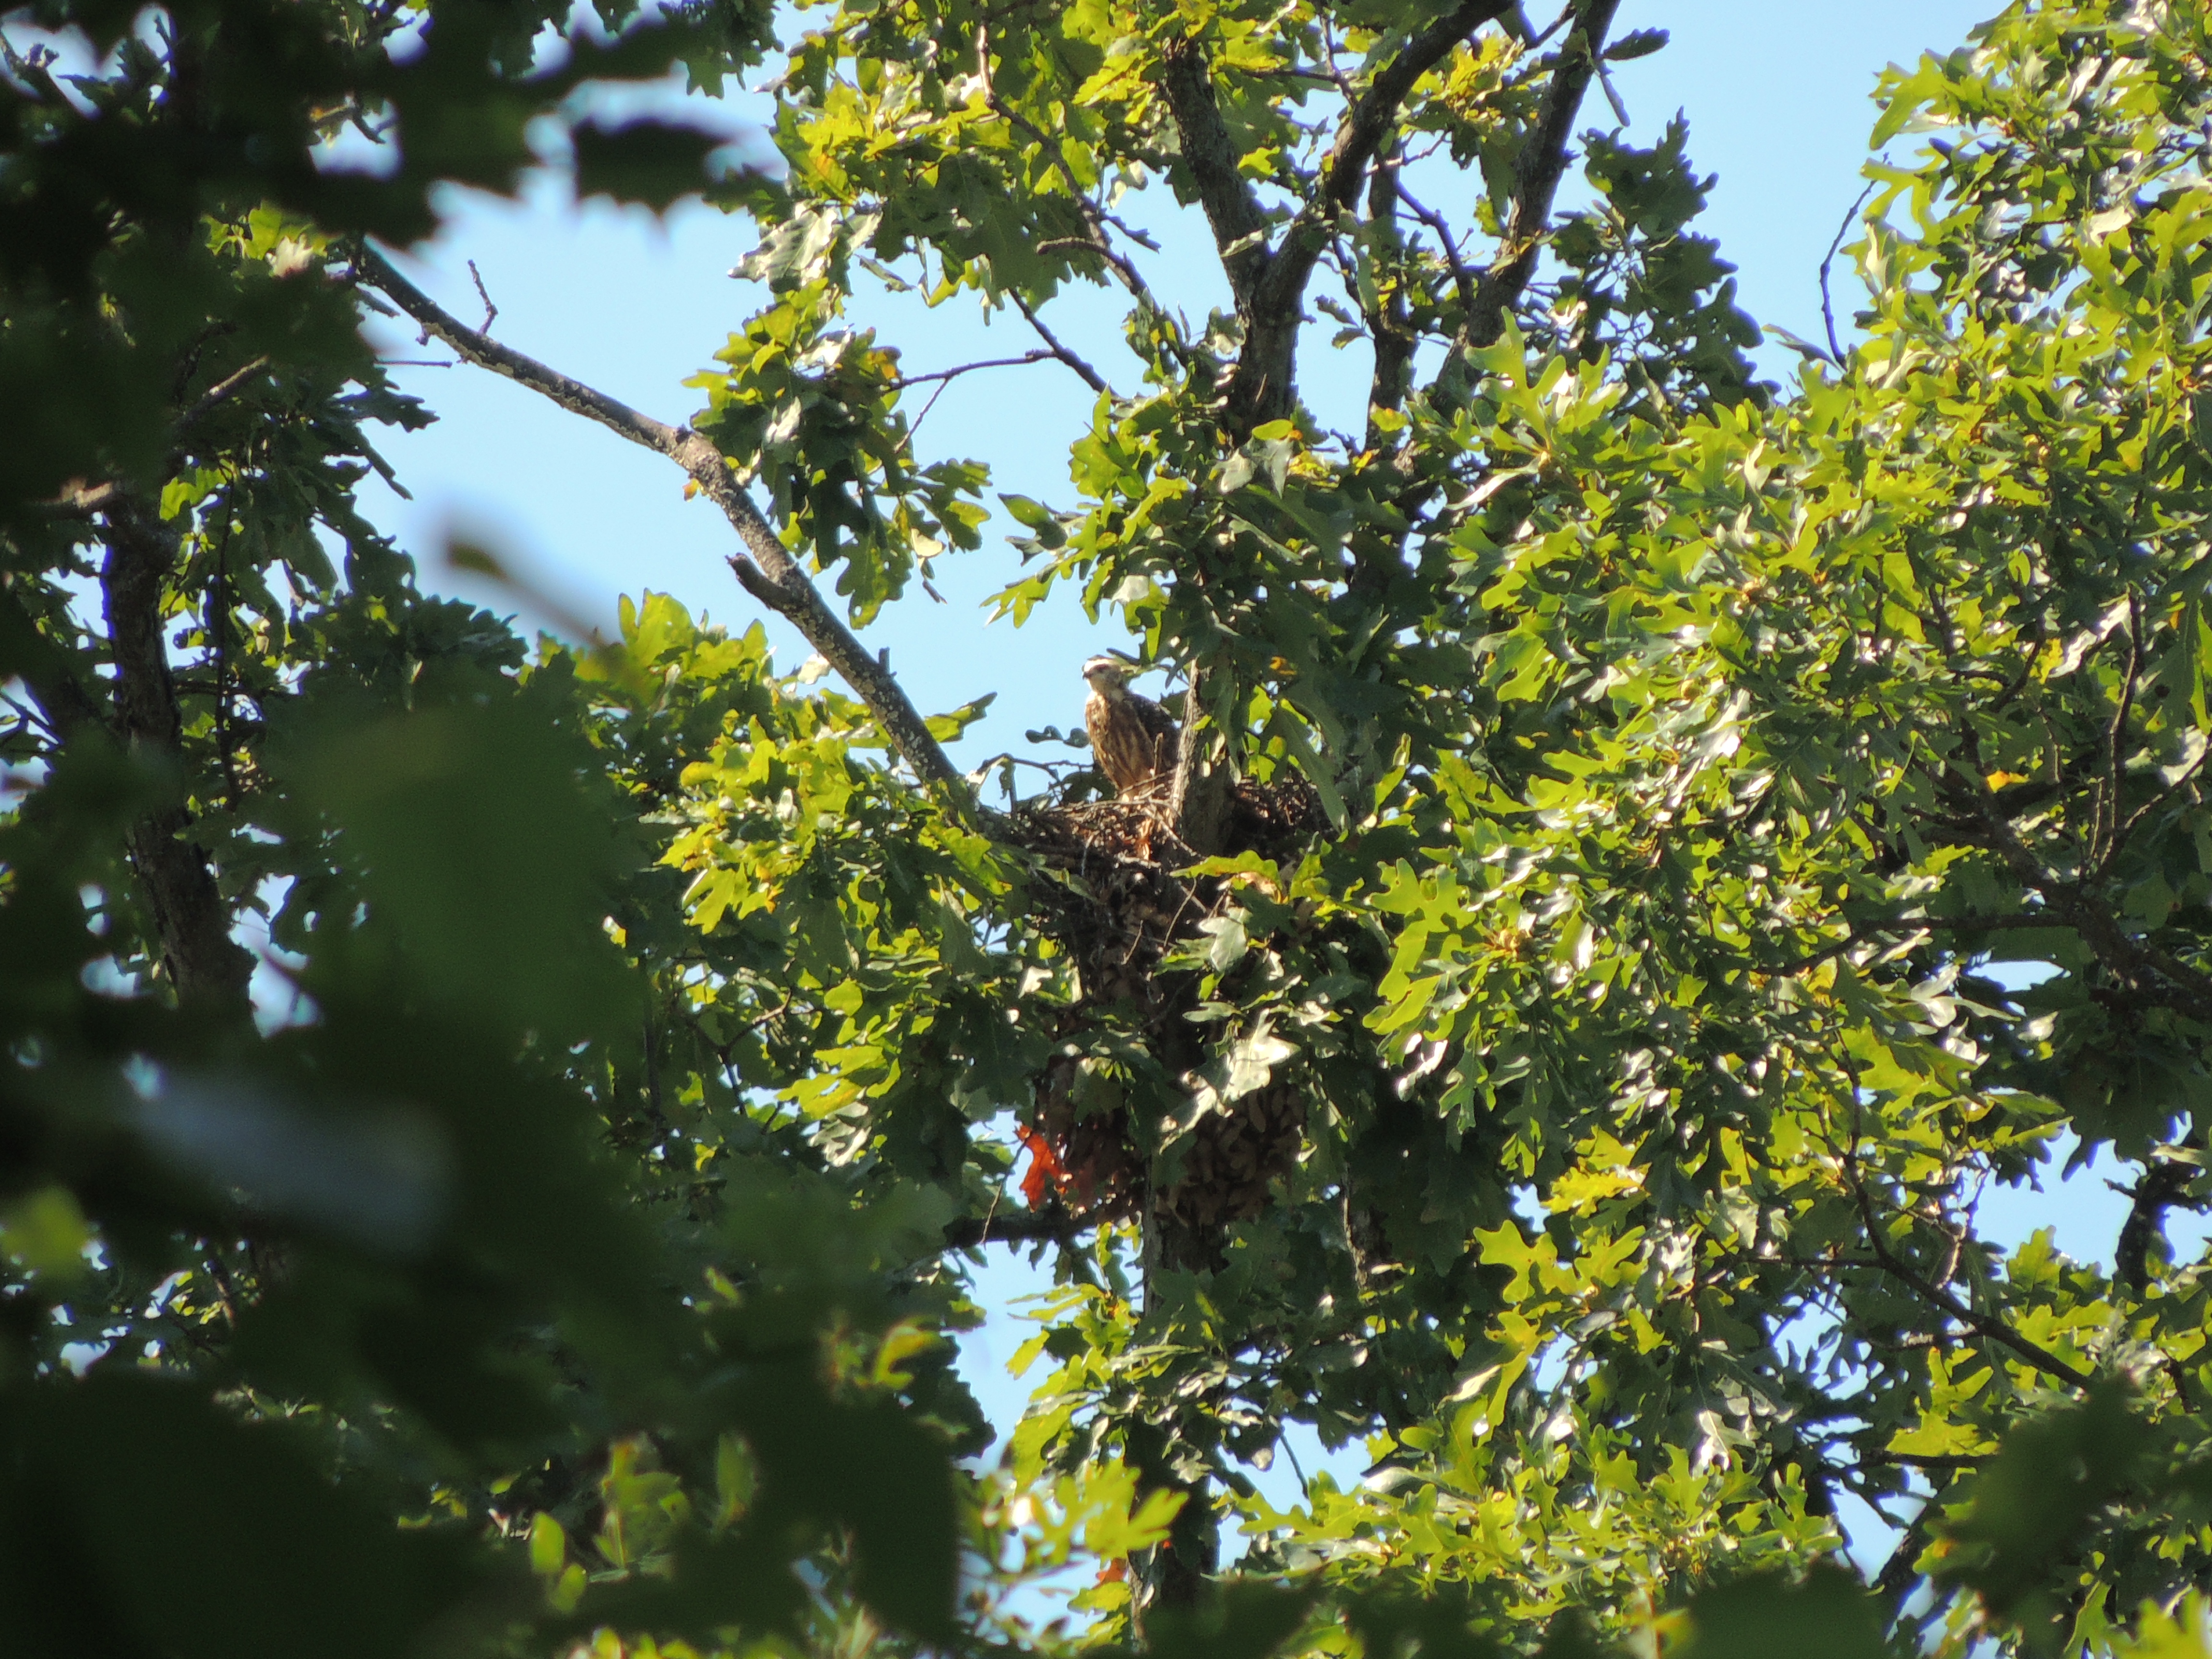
(1232, 208)
(764, 570)
(49, 671)
(1536, 184)
(1894, 926)
(1462, 279)
(1895, 1580)
(1198, 793)
(2164, 1184)
(1368, 122)
(1091, 377)
(2185, 989)
(208, 968)
(1390, 322)
(1260, 389)
(220, 394)
(1982, 1324)
(1095, 217)
(1040, 355)
(1012, 1227)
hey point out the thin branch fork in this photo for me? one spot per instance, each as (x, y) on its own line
(765, 569)
(1269, 285)
(1462, 279)
(1052, 345)
(2142, 966)
(1936, 1295)
(1040, 355)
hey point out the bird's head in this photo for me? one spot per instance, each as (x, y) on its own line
(1110, 671)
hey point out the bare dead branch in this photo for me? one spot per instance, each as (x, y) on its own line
(765, 569)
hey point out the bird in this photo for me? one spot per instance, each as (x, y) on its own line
(1132, 737)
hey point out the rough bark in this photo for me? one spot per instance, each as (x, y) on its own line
(1198, 799)
(1269, 284)
(1536, 183)
(210, 968)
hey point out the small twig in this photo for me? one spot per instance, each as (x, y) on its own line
(1143, 239)
(220, 392)
(1021, 1226)
(1095, 217)
(491, 311)
(1827, 307)
(2104, 834)
(929, 404)
(1041, 355)
(1930, 1459)
(1462, 278)
(1612, 93)
(2126, 831)
(1096, 243)
(2035, 922)
(1090, 376)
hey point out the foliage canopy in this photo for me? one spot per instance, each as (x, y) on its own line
(1553, 1030)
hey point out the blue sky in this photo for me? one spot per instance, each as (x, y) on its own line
(1777, 97)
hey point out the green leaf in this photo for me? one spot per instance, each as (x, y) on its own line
(1825, 1615)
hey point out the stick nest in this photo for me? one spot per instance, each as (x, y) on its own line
(1118, 907)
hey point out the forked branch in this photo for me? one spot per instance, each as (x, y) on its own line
(1536, 182)
(1269, 285)
(1938, 1296)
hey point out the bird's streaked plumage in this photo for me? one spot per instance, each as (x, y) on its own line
(1132, 737)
